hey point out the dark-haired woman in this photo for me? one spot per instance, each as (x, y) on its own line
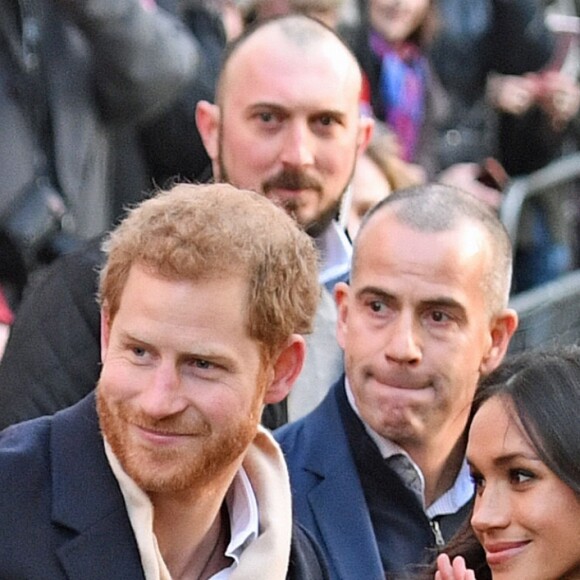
(524, 454)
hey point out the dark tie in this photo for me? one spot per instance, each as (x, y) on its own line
(403, 467)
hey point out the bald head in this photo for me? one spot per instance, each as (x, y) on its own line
(287, 122)
(436, 208)
(297, 33)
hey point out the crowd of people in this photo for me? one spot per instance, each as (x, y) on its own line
(255, 290)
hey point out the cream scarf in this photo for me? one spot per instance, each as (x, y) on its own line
(270, 551)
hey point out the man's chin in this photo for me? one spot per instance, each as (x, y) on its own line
(300, 212)
(287, 199)
(312, 226)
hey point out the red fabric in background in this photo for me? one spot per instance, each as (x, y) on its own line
(6, 314)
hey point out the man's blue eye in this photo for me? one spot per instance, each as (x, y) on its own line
(202, 364)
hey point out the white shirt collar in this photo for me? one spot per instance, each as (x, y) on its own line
(454, 498)
(459, 494)
(335, 251)
(244, 519)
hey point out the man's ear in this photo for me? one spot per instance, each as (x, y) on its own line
(105, 333)
(366, 127)
(502, 329)
(207, 119)
(286, 368)
(341, 292)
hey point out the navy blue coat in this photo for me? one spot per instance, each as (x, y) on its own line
(327, 494)
(62, 513)
(329, 500)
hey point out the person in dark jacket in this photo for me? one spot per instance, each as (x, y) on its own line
(423, 317)
(164, 472)
(73, 73)
(299, 150)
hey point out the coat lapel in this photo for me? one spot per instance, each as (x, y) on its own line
(337, 502)
(87, 500)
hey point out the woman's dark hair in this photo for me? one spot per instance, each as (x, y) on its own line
(542, 389)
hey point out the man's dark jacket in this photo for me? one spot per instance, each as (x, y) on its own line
(329, 496)
(63, 514)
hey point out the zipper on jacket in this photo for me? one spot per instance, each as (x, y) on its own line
(436, 529)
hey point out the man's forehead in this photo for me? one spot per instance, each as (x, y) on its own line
(385, 230)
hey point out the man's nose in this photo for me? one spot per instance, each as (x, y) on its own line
(298, 145)
(162, 394)
(402, 344)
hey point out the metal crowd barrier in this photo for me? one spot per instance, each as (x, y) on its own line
(549, 314)
(562, 171)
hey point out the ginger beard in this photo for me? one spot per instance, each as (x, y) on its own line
(196, 463)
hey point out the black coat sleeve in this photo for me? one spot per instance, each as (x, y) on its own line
(52, 358)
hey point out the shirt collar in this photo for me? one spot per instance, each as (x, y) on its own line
(336, 251)
(458, 495)
(244, 518)
(454, 498)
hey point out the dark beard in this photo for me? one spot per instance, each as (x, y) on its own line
(317, 227)
(295, 180)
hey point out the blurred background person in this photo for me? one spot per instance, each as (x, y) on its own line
(426, 65)
(171, 144)
(379, 171)
(538, 124)
(73, 74)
